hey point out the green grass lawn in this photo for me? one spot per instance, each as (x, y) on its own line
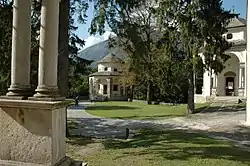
(138, 110)
(158, 148)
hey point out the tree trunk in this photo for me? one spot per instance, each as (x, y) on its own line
(131, 94)
(149, 93)
(191, 106)
(63, 49)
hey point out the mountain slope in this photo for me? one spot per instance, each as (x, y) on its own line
(98, 51)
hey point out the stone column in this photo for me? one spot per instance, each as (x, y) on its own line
(240, 77)
(214, 88)
(241, 80)
(245, 80)
(247, 64)
(206, 84)
(109, 82)
(48, 52)
(91, 89)
(21, 41)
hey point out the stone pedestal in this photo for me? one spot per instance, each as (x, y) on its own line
(241, 92)
(214, 92)
(32, 132)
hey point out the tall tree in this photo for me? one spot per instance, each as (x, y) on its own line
(136, 34)
(129, 77)
(68, 40)
(170, 72)
(63, 63)
(199, 22)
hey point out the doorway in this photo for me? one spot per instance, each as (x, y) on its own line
(105, 89)
(230, 86)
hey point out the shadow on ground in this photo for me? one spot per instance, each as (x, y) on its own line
(174, 145)
(80, 140)
(140, 117)
(179, 145)
(112, 108)
(211, 109)
(75, 107)
(104, 128)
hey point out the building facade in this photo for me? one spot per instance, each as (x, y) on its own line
(232, 80)
(105, 84)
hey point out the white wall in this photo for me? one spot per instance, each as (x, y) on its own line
(236, 36)
(110, 66)
(102, 82)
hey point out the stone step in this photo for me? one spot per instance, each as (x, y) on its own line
(234, 100)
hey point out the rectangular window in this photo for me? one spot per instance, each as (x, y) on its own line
(105, 89)
(115, 88)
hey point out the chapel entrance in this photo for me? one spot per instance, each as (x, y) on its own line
(230, 86)
(230, 83)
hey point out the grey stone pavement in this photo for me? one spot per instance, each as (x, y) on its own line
(222, 120)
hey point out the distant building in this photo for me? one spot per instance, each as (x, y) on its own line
(105, 84)
(232, 80)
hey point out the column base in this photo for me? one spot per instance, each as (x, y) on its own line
(244, 123)
(241, 92)
(19, 92)
(214, 92)
(45, 93)
(44, 98)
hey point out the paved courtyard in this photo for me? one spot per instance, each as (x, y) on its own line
(219, 120)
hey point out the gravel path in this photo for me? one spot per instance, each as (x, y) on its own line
(220, 119)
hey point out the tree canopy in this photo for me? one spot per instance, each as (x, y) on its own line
(199, 24)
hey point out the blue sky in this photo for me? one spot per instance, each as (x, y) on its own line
(238, 5)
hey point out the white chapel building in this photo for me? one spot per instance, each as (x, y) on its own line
(232, 80)
(105, 84)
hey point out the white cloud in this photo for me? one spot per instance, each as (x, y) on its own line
(92, 40)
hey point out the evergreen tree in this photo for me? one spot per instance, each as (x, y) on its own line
(170, 68)
(68, 40)
(5, 44)
(199, 22)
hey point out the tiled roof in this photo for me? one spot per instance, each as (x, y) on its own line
(237, 22)
(111, 58)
